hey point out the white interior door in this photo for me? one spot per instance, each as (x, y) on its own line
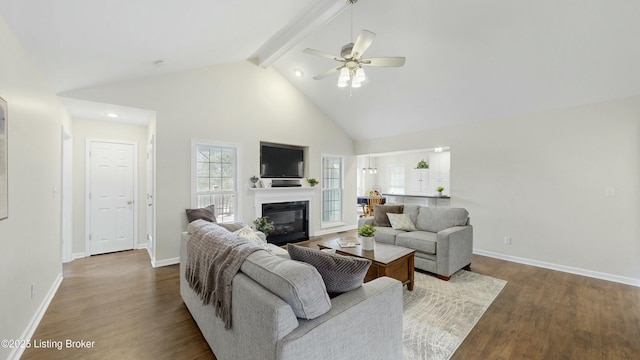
(111, 197)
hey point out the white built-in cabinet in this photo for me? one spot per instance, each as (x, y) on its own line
(420, 181)
(439, 172)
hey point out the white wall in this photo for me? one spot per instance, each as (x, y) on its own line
(104, 130)
(30, 249)
(541, 180)
(239, 103)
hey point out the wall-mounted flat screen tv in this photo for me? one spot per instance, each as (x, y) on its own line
(281, 161)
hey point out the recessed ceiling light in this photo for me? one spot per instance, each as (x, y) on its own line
(112, 115)
(298, 73)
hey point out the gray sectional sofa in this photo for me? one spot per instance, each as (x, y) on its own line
(281, 310)
(442, 238)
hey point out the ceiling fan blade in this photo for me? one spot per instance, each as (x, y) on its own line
(383, 61)
(322, 54)
(363, 41)
(327, 73)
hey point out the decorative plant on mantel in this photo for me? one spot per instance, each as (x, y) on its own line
(263, 225)
(313, 181)
(422, 165)
(440, 190)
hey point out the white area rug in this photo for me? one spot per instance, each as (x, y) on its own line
(438, 314)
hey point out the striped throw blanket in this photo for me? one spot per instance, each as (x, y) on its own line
(215, 256)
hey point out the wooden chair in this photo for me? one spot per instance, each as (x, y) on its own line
(373, 200)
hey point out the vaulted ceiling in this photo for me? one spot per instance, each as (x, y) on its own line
(466, 60)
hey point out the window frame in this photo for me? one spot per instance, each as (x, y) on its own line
(323, 184)
(195, 144)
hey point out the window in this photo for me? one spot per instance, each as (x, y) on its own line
(332, 184)
(396, 179)
(214, 179)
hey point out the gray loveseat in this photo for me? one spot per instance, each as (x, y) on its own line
(280, 310)
(442, 239)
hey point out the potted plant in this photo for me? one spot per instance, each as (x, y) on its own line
(312, 181)
(263, 225)
(367, 236)
(440, 190)
(422, 165)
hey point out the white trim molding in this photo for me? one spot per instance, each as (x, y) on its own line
(335, 230)
(17, 351)
(568, 269)
(165, 262)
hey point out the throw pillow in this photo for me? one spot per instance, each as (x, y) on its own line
(380, 214)
(207, 214)
(339, 273)
(401, 222)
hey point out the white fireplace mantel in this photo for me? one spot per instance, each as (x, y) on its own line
(285, 194)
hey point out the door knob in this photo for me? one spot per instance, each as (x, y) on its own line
(129, 202)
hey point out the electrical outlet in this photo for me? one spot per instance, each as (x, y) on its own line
(610, 191)
(507, 240)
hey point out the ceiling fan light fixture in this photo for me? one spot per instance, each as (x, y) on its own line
(344, 75)
(351, 71)
(360, 77)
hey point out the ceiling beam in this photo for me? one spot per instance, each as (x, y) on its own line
(320, 13)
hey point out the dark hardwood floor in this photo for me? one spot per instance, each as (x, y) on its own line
(546, 314)
(133, 311)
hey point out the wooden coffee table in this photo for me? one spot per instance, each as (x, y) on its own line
(386, 260)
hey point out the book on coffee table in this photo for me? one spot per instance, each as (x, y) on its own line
(348, 243)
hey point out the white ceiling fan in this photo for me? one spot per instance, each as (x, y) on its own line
(351, 71)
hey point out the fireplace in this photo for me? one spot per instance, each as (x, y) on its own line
(290, 219)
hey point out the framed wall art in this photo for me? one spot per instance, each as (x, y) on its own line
(4, 159)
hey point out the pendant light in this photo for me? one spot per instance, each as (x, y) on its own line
(369, 169)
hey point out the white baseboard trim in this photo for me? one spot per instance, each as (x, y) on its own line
(142, 246)
(153, 259)
(568, 269)
(165, 262)
(37, 317)
(334, 230)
